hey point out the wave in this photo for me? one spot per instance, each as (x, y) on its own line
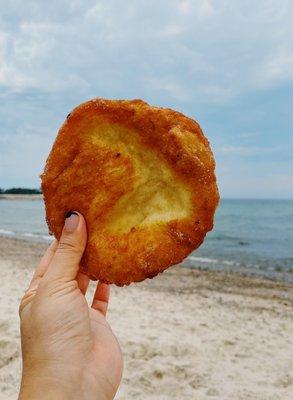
(213, 261)
(269, 268)
(5, 232)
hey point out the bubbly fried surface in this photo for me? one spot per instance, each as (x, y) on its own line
(142, 176)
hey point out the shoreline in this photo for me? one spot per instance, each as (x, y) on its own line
(271, 275)
(21, 197)
(185, 334)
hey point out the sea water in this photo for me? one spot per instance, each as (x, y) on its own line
(252, 236)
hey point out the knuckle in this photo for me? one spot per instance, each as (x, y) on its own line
(67, 245)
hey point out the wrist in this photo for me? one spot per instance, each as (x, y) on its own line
(42, 384)
(37, 387)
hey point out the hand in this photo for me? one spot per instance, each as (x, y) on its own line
(69, 350)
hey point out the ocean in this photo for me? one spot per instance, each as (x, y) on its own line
(250, 236)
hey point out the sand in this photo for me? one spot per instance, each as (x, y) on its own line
(187, 334)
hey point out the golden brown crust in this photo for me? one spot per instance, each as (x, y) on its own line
(142, 176)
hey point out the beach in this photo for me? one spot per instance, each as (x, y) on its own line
(187, 334)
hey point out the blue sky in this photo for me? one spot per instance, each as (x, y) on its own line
(229, 64)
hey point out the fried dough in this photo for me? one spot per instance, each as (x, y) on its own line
(143, 178)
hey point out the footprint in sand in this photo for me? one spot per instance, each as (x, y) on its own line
(8, 352)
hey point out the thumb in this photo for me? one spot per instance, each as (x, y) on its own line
(65, 262)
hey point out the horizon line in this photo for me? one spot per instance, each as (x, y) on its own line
(222, 198)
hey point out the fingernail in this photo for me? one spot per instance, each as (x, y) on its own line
(71, 221)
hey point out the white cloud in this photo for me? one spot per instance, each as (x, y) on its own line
(202, 8)
(24, 156)
(217, 93)
(253, 180)
(9, 75)
(173, 89)
(206, 10)
(278, 67)
(236, 150)
(184, 6)
(171, 30)
(205, 57)
(241, 150)
(12, 78)
(95, 12)
(220, 50)
(26, 59)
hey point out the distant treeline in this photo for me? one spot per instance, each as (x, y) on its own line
(20, 191)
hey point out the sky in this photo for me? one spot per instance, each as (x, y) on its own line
(228, 64)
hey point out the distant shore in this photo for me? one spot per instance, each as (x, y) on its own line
(21, 196)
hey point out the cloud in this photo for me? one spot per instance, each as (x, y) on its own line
(237, 150)
(47, 54)
(23, 155)
(25, 59)
(278, 67)
(10, 76)
(172, 30)
(206, 10)
(246, 150)
(203, 8)
(173, 89)
(95, 12)
(229, 63)
(255, 180)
